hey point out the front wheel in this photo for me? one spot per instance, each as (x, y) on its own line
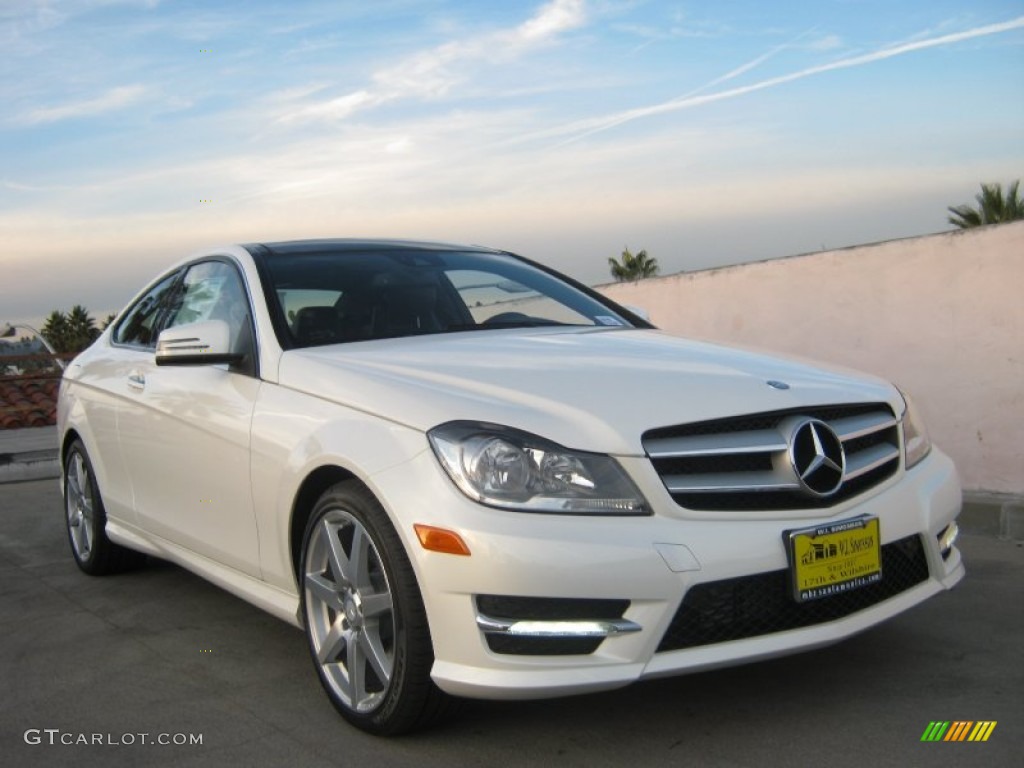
(364, 617)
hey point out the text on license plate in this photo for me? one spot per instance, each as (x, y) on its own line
(830, 559)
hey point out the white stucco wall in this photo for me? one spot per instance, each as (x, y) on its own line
(942, 316)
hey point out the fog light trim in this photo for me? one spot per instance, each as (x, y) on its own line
(947, 538)
(576, 628)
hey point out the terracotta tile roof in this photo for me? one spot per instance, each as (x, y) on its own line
(29, 400)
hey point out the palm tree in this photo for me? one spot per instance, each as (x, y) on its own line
(993, 207)
(82, 327)
(57, 331)
(70, 332)
(632, 267)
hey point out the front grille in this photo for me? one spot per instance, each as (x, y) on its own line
(751, 606)
(743, 463)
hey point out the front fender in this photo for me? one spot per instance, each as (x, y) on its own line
(294, 435)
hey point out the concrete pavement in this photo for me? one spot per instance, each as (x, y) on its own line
(97, 671)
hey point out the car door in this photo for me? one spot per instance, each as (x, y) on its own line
(105, 384)
(185, 430)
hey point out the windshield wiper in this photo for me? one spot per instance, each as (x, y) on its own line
(485, 326)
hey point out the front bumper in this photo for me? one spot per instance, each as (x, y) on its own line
(647, 564)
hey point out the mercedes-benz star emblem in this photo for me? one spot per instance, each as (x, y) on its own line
(817, 456)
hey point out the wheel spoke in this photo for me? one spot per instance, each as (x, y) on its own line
(80, 475)
(74, 490)
(339, 561)
(359, 559)
(355, 662)
(75, 480)
(86, 507)
(324, 591)
(86, 540)
(334, 641)
(373, 649)
(76, 536)
(376, 604)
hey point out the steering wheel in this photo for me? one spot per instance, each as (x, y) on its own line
(507, 317)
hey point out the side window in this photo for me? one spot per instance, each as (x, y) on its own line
(139, 325)
(213, 290)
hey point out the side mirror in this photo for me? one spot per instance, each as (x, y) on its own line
(204, 343)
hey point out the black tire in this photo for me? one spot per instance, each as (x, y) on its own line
(86, 520)
(364, 618)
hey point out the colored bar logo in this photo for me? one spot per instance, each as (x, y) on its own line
(958, 730)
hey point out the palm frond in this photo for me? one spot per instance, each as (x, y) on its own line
(630, 266)
(994, 207)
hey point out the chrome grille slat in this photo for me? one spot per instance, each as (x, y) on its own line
(746, 463)
(712, 445)
(871, 458)
(721, 482)
(860, 426)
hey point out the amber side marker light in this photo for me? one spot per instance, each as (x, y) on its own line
(441, 540)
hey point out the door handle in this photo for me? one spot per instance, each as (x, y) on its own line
(137, 380)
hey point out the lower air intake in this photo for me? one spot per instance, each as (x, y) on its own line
(751, 606)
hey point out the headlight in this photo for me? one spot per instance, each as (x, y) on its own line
(915, 438)
(503, 467)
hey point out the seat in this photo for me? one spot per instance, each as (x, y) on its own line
(355, 316)
(405, 310)
(315, 326)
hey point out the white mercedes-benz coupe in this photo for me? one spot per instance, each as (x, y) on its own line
(465, 475)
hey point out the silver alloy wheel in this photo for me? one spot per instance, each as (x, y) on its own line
(80, 507)
(350, 612)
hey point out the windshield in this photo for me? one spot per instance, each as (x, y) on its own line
(343, 296)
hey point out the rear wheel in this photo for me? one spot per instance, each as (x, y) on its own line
(86, 519)
(364, 617)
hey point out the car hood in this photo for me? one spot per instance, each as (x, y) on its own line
(589, 389)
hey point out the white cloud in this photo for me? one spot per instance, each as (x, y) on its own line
(557, 16)
(113, 99)
(333, 109)
(433, 72)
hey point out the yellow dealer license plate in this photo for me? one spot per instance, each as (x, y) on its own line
(830, 559)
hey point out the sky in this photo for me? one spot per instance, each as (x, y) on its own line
(136, 132)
